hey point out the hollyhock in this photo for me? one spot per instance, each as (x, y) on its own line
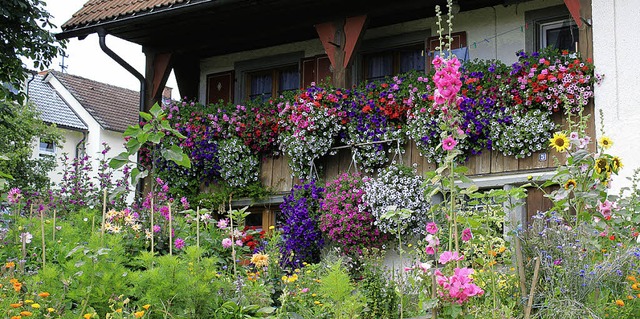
(449, 143)
(227, 243)
(605, 209)
(448, 256)
(432, 244)
(432, 228)
(459, 287)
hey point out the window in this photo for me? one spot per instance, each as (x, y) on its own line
(266, 84)
(561, 35)
(47, 148)
(550, 26)
(378, 65)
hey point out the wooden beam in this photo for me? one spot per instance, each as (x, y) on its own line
(157, 70)
(187, 71)
(340, 39)
(574, 9)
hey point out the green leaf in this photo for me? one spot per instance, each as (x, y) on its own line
(156, 110)
(132, 131)
(133, 145)
(155, 138)
(176, 155)
(461, 169)
(165, 125)
(465, 179)
(146, 116)
(136, 175)
(119, 161)
(177, 134)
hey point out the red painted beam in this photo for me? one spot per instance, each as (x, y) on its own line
(574, 9)
(160, 73)
(352, 30)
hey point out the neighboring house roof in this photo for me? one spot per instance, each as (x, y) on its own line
(51, 106)
(96, 11)
(114, 108)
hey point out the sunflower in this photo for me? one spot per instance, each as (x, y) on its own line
(602, 165)
(571, 183)
(560, 142)
(617, 163)
(605, 142)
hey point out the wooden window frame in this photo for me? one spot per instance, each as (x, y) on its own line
(395, 57)
(275, 80)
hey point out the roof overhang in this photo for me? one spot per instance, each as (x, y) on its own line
(203, 28)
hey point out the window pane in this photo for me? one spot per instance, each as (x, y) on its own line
(289, 80)
(562, 38)
(379, 66)
(411, 60)
(261, 86)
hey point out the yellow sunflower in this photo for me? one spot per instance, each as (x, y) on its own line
(605, 142)
(571, 183)
(617, 163)
(602, 165)
(559, 142)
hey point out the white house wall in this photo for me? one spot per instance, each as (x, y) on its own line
(615, 45)
(68, 146)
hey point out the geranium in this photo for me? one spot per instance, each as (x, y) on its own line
(342, 219)
(310, 126)
(400, 187)
(301, 236)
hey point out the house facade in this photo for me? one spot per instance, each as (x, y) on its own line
(87, 112)
(237, 50)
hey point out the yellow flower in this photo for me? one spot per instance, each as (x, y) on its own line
(138, 314)
(316, 302)
(260, 260)
(314, 295)
(605, 142)
(35, 306)
(619, 302)
(502, 249)
(559, 142)
(617, 163)
(601, 165)
(10, 264)
(44, 294)
(119, 310)
(635, 286)
(272, 227)
(571, 183)
(293, 278)
(26, 313)
(491, 263)
(630, 297)
(50, 309)
(28, 301)
(146, 307)
(87, 316)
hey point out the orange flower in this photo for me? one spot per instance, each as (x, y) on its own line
(87, 316)
(16, 317)
(10, 264)
(17, 286)
(16, 305)
(26, 313)
(138, 314)
(44, 294)
(619, 302)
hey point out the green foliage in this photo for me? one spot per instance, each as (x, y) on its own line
(19, 130)
(341, 295)
(378, 289)
(151, 133)
(24, 34)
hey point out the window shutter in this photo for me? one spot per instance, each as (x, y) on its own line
(220, 87)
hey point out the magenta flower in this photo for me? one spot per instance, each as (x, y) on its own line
(432, 228)
(459, 287)
(179, 243)
(605, 209)
(449, 143)
(432, 244)
(227, 243)
(466, 234)
(14, 196)
(448, 256)
(185, 203)
(156, 228)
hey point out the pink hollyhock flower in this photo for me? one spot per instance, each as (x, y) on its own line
(424, 267)
(227, 243)
(432, 244)
(466, 234)
(432, 228)
(239, 242)
(448, 256)
(449, 143)
(605, 209)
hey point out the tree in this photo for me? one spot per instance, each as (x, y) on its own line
(19, 130)
(24, 33)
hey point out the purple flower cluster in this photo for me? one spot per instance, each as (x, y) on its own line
(343, 221)
(302, 238)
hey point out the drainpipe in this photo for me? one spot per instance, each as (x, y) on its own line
(82, 141)
(102, 33)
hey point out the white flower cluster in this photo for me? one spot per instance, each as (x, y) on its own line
(370, 152)
(424, 130)
(401, 187)
(529, 132)
(238, 165)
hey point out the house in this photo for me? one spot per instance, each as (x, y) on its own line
(87, 112)
(234, 50)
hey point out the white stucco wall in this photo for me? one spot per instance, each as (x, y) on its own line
(615, 42)
(68, 146)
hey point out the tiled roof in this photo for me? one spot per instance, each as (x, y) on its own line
(51, 106)
(95, 11)
(114, 108)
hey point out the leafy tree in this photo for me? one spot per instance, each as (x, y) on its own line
(24, 33)
(19, 130)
